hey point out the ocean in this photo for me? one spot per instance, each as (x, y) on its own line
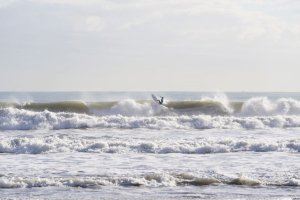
(123, 145)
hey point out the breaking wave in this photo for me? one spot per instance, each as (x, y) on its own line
(151, 180)
(256, 113)
(130, 107)
(148, 180)
(258, 106)
(263, 106)
(20, 119)
(62, 143)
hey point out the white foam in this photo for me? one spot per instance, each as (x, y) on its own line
(220, 98)
(9, 183)
(262, 106)
(20, 182)
(149, 180)
(130, 107)
(18, 119)
(53, 143)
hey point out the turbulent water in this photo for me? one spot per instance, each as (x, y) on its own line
(123, 145)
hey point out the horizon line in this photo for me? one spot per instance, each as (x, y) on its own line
(116, 91)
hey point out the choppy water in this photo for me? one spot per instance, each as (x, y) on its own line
(102, 145)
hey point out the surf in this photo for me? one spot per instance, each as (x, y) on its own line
(21, 119)
(257, 106)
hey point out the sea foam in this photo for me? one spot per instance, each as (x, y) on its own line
(19, 119)
(148, 180)
(260, 106)
(61, 143)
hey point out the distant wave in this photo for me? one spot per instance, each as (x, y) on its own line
(261, 106)
(255, 113)
(257, 106)
(128, 107)
(66, 106)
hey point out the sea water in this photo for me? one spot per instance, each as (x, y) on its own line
(123, 145)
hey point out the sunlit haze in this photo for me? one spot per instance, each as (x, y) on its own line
(140, 45)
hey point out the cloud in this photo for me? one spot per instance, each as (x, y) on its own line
(88, 23)
(69, 2)
(5, 3)
(243, 21)
(94, 23)
(171, 37)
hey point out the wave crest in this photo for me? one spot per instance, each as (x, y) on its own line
(257, 106)
(263, 106)
(19, 119)
(61, 143)
(148, 180)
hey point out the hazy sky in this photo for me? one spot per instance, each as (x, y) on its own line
(200, 45)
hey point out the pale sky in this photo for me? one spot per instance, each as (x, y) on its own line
(125, 45)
